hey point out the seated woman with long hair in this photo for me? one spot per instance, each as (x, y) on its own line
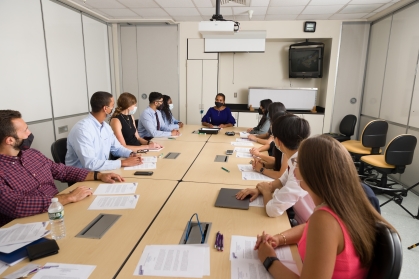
(264, 123)
(123, 124)
(338, 239)
(166, 113)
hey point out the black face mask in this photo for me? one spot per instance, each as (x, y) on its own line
(26, 143)
(218, 104)
(159, 107)
(260, 111)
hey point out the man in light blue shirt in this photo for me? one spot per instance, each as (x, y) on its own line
(91, 140)
(151, 123)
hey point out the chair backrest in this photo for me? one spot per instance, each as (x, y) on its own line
(375, 133)
(388, 255)
(347, 125)
(58, 150)
(400, 150)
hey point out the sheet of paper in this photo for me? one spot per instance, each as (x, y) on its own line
(207, 266)
(13, 247)
(149, 159)
(246, 167)
(243, 155)
(155, 150)
(258, 202)
(22, 233)
(3, 267)
(22, 272)
(242, 140)
(242, 149)
(241, 248)
(175, 136)
(65, 271)
(255, 176)
(143, 166)
(248, 270)
(114, 202)
(242, 143)
(284, 254)
(116, 189)
(171, 261)
(244, 135)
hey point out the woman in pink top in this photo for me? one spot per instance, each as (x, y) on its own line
(338, 239)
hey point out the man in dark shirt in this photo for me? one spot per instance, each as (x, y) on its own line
(27, 176)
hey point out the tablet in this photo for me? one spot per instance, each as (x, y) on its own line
(227, 198)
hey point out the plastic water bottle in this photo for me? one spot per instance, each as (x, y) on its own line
(56, 219)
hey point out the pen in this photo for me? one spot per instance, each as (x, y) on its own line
(225, 169)
(222, 242)
(216, 239)
(171, 138)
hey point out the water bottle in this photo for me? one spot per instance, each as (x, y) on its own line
(56, 219)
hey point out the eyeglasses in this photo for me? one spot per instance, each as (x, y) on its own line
(294, 162)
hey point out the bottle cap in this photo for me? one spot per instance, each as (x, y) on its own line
(54, 199)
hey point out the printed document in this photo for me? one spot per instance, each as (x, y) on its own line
(3, 267)
(22, 233)
(258, 202)
(255, 176)
(243, 155)
(65, 271)
(245, 167)
(149, 159)
(242, 149)
(245, 269)
(241, 139)
(244, 135)
(154, 150)
(242, 143)
(114, 202)
(13, 247)
(172, 261)
(116, 189)
(143, 166)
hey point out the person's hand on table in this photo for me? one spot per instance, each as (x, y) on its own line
(265, 249)
(264, 187)
(79, 194)
(132, 161)
(254, 151)
(271, 240)
(180, 124)
(253, 192)
(257, 165)
(154, 145)
(109, 177)
(222, 125)
(248, 130)
(175, 133)
(210, 125)
(252, 137)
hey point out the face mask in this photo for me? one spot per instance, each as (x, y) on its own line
(218, 104)
(171, 106)
(260, 111)
(25, 143)
(277, 147)
(110, 114)
(131, 112)
(159, 107)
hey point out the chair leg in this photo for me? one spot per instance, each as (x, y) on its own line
(398, 199)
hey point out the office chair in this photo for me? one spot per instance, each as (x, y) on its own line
(388, 255)
(58, 150)
(136, 123)
(373, 137)
(346, 128)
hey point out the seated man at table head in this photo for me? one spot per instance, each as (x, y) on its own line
(288, 131)
(151, 123)
(219, 115)
(123, 124)
(91, 141)
(27, 176)
(339, 238)
(166, 112)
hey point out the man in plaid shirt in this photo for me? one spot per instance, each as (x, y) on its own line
(27, 176)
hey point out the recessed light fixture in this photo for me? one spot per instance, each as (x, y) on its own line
(310, 26)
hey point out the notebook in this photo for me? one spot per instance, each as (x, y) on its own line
(227, 198)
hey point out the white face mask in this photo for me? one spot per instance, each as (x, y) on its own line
(131, 112)
(277, 147)
(171, 106)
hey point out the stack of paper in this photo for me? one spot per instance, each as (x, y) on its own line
(143, 166)
(115, 202)
(13, 242)
(243, 152)
(245, 262)
(244, 135)
(192, 261)
(255, 176)
(242, 143)
(248, 168)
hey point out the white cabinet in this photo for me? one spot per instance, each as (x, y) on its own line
(248, 119)
(196, 50)
(316, 123)
(201, 88)
(236, 117)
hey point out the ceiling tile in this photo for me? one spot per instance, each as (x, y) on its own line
(103, 4)
(119, 12)
(369, 15)
(330, 9)
(101, 13)
(358, 9)
(382, 8)
(211, 11)
(348, 16)
(256, 10)
(175, 3)
(182, 12)
(280, 17)
(328, 2)
(203, 3)
(285, 10)
(314, 17)
(246, 18)
(188, 18)
(81, 2)
(138, 4)
(259, 3)
(363, 2)
(275, 3)
(148, 12)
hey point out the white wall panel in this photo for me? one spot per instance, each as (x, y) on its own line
(401, 66)
(23, 63)
(376, 64)
(97, 55)
(44, 137)
(63, 31)
(209, 83)
(414, 112)
(194, 92)
(69, 122)
(196, 50)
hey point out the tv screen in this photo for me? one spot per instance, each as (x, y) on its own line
(305, 62)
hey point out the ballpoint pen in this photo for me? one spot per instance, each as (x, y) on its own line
(225, 169)
(222, 242)
(216, 240)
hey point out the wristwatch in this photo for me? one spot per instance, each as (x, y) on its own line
(261, 170)
(95, 175)
(269, 261)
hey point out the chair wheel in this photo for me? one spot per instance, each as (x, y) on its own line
(398, 200)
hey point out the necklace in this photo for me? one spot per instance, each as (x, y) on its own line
(320, 205)
(126, 119)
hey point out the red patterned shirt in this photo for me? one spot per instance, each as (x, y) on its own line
(27, 183)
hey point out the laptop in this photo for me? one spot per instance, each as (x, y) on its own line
(227, 198)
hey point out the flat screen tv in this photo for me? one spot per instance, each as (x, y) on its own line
(306, 62)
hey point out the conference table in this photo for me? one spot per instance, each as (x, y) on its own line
(167, 199)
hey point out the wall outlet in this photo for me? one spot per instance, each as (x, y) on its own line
(235, 94)
(63, 129)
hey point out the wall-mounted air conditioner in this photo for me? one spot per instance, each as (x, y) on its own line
(242, 41)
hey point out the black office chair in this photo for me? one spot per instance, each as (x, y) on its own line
(346, 128)
(388, 255)
(58, 150)
(136, 123)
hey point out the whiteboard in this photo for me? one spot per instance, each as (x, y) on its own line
(293, 98)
